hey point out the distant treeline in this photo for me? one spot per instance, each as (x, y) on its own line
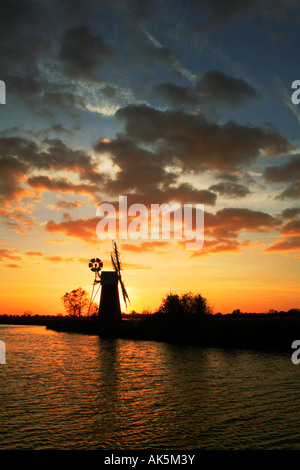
(265, 332)
(28, 319)
(184, 319)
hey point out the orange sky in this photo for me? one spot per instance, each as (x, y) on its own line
(248, 280)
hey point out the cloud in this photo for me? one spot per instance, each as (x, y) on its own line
(219, 13)
(18, 219)
(192, 141)
(210, 88)
(218, 87)
(56, 241)
(17, 255)
(12, 265)
(229, 222)
(82, 52)
(291, 235)
(144, 177)
(63, 185)
(54, 259)
(63, 259)
(287, 172)
(12, 175)
(176, 95)
(220, 246)
(233, 190)
(12, 255)
(290, 212)
(20, 156)
(145, 246)
(20, 43)
(68, 204)
(141, 9)
(291, 192)
(81, 229)
(291, 228)
(287, 244)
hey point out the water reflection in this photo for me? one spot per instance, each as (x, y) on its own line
(70, 391)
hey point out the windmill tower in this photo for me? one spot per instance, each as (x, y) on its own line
(109, 306)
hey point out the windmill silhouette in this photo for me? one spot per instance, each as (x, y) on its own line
(109, 305)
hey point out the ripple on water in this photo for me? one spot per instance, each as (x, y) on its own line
(69, 391)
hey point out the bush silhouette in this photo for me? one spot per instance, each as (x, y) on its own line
(186, 304)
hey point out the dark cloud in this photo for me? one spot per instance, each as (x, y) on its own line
(12, 175)
(39, 95)
(290, 213)
(220, 9)
(60, 129)
(61, 99)
(144, 174)
(233, 190)
(109, 91)
(227, 177)
(291, 192)
(139, 168)
(23, 86)
(175, 95)
(15, 16)
(229, 222)
(63, 185)
(212, 87)
(291, 228)
(216, 87)
(286, 244)
(192, 141)
(141, 9)
(290, 231)
(54, 154)
(220, 246)
(82, 52)
(219, 12)
(287, 172)
(20, 157)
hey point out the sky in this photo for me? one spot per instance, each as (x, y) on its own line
(163, 102)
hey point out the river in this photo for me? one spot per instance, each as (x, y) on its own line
(69, 391)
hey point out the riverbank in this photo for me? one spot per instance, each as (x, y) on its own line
(253, 332)
(256, 331)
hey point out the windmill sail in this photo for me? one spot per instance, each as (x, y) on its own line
(124, 292)
(116, 262)
(117, 257)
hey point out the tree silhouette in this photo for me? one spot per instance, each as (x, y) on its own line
(93, 310)
(187, 304)
(76, 302)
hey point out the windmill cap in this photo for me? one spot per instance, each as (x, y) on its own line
(109, 277)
